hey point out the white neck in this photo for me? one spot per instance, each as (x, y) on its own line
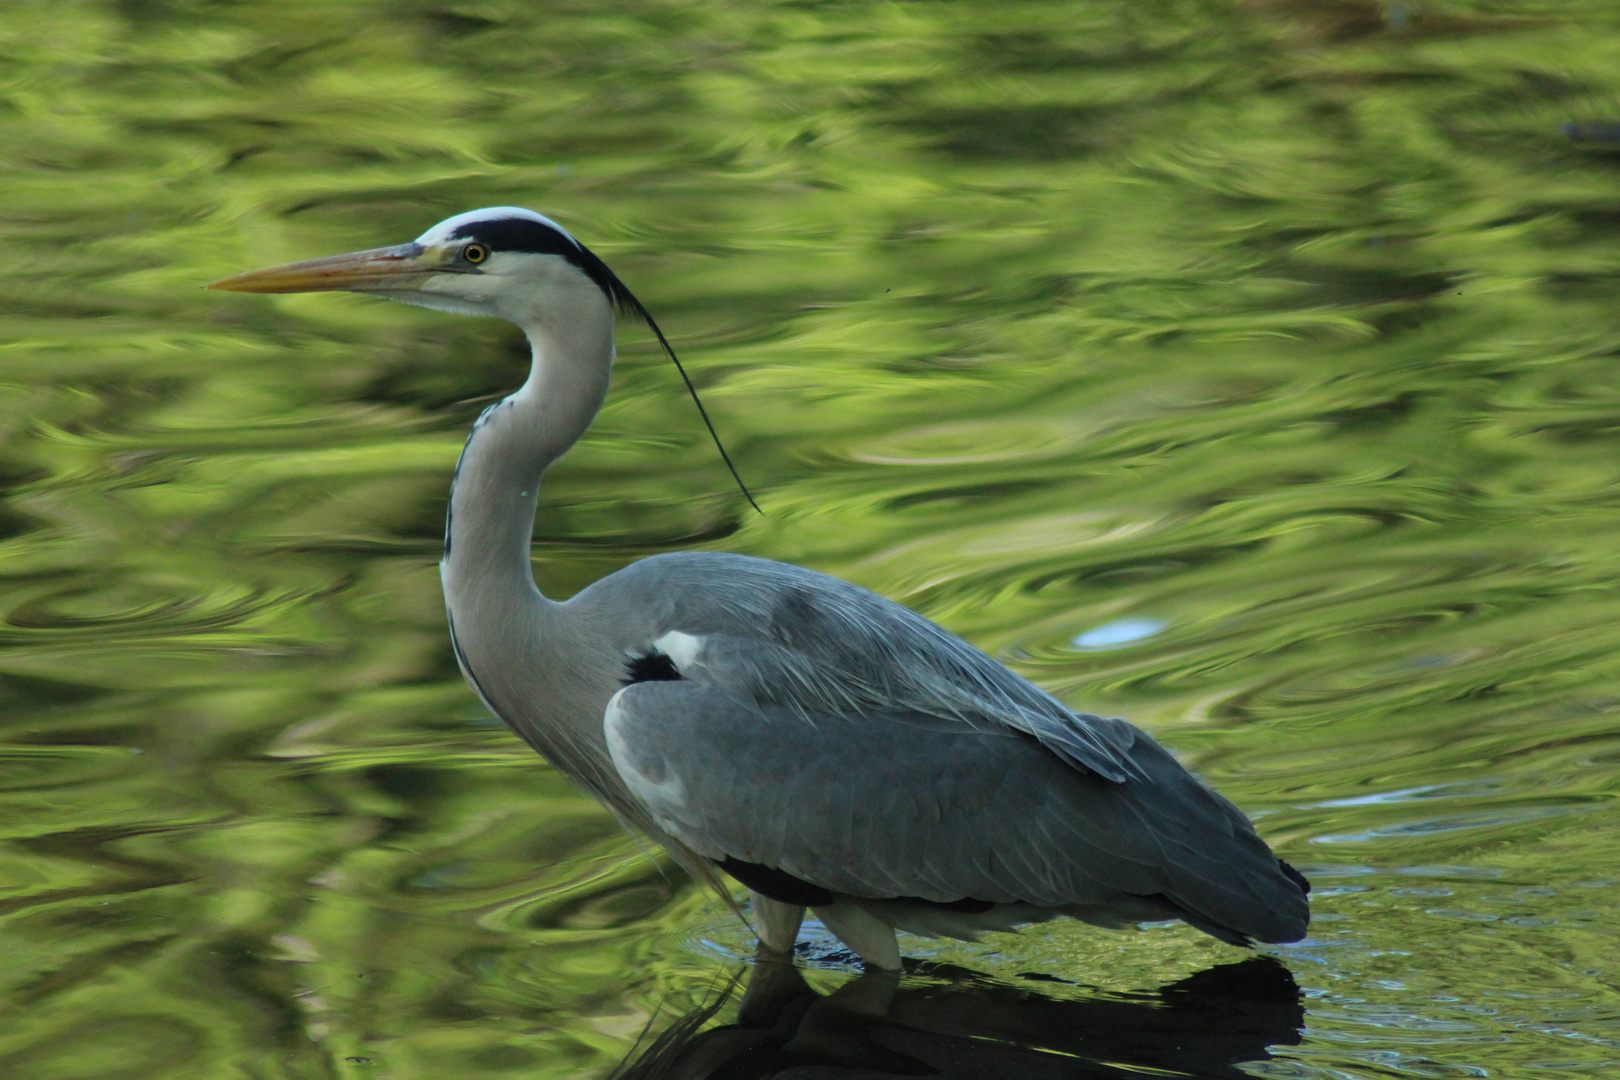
(497, 483)
(527, 655)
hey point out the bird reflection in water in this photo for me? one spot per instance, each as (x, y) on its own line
(952, 1022)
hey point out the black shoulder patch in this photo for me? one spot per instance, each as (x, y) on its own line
(538, 238)
(784, 887)
(650, 667)
(779, 885)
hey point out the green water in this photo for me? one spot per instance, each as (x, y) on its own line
(1244, 367)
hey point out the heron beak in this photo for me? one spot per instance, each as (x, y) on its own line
(405, 268)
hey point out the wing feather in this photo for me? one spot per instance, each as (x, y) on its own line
(892, 804)
(778, 634)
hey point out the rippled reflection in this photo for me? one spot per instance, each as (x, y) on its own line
(1243, 367)
(954, 1022)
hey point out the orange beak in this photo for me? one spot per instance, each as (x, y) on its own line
(404, 268)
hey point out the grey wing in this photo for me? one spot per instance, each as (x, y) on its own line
(905, 805)
(782, 635)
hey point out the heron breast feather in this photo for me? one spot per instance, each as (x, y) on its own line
(647, 775)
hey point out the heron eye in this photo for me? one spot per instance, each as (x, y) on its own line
(475, 253)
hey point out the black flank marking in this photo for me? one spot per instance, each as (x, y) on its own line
(783, 886)
(967, 905)
(650, 667)
(776, 884)
(1296, 877)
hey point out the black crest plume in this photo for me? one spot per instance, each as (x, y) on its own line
(523, 234)
(626, 301)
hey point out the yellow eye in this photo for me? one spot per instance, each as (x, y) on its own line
(475, 253)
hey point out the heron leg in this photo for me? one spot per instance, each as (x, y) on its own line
(778, 923)
(871, 938)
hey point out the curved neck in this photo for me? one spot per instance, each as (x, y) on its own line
(529, 658)
(542, 667)
(492, 499)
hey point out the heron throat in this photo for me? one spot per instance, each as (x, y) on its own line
(509, 638)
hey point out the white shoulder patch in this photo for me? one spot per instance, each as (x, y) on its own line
(683, 649)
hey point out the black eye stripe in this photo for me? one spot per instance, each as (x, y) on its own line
(535, 238)
(516, 234)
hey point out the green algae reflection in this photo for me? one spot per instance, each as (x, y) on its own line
(1247, 368)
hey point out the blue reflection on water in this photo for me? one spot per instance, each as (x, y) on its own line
(1119, 632)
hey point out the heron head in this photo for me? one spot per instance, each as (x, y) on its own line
(502, 261)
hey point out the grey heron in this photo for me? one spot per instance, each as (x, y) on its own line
(824, 746)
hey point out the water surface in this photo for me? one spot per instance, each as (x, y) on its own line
(1247, 369)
